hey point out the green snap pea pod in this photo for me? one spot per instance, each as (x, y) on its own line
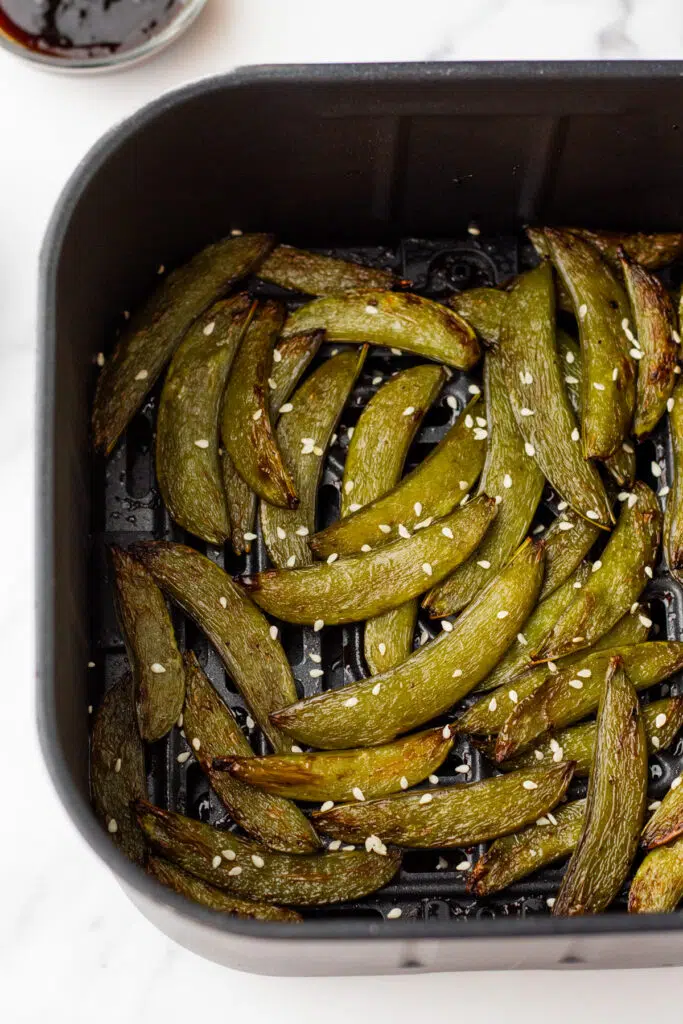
(187, 461)
(431, 490)
(483, 309)
(615, 802)
(458, 815)
(539, 401)
(650, 250)
(537, 626)
(117, 768)
(489, 714)
(517, 483)
(236, 628)
(304, 435)
(342, 774)
(392, 319)
(667, 821)
(374, 463)
(655, 324)
(662, 720)
(211, 731)
(622, 462)
(657, 887)
(573, 693)
(194, 889)
(568, 540)
(601, 306)
(291, 358)
(513, 857)
(246, 426)
(247, 869)
(360, 586)
(315, 274)
(431, 680)
(673, 515)
(151, 646)
(622, 573)
(156, 330)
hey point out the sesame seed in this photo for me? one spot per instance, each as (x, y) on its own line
(394, 913)
(316, 673)
(447, 532)
(648, 571)
(634, 608)
(273, 632)
(216, 861)
(643, 619)
(552, 667)
(272, 384)
(409, 410)
(250, 536)
(596, 565)
(676, 783)
(676, 337)
(484, 563)
(446, 626)
(557, 756)
(571, 380)
(257, 861)
(196, 743)
(257, 415)
(479, 434)
(182, 758)
(663, 491)
(142, 375)
(434, 779)
(576, 684)
(654, 805)
(451, 402)
(376, 380)
(351, 702)
(348, 486)
(575, 434)
(469, 422)
(526, 378)
(357, 793)
(318, 625)
(473, 229)
(91, 664)
(332, 558)
(202, 443)
(464, 865)
(249, 721)
(334, 845)
(373, 844)
(441, 864)
(396, 326)
(632, 500)
(376, 688)
(385, 528)
(550, 901)
(474, 389)
(502, 614)
(570, 357)
(583, 310)
(112, 825)
(512, 694)
(457, 672)
(371, 310)
(628, 448)
(528, 784)
(636, 353)
(365, 547)
(656, 469)
(463, 769)
(615, 373)
(592, 514)
(287, 407)
(233, 872)
(117, 765)
(446, 732)
(296, 749)
(100, 359)
(157, 669)
(584, 673)
(327, 806)
(493, 704)
(403, 782)
(463, 485)
(403, 531)
(480, 421)
(539, 755)
(529, 449)
(315, 658)
(507, 480)
(426, 568)
(426, 798)
(655, 742)
(291, 562)
(578, 639)
(542, 821)
(277, 356)
(317, 450)
(281, 533)
(527, 412)
(670, 404)
(660, 720)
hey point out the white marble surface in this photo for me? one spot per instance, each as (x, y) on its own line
(72, 948)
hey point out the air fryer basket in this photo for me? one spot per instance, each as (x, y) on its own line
(360, 159)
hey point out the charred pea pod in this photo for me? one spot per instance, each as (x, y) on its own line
(290, 360)
(615, 802)
(187, 460)
(657, 887)
(315, 274)
(157, 329)
(244, 868)
(673, 515)
(667, 821)
(246, 426)
(392, 319)
(360, 586)
(650, 250)
(516, 482)
(248, 646)
(619, 577)
(655, 341)
(458, 815)
(600, 307)
(344, 774)
(432, 489)
(151, 646)
(575, 692)
(304, 435)
(431, 680)
(551, 838)
(211, 731)
(209, 896)
(117, 768)
(568, 540)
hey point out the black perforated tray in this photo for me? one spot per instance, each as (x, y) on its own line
(127, 508)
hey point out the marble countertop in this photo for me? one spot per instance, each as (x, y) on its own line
(72, 947)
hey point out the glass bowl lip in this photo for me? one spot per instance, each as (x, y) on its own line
(113, 61)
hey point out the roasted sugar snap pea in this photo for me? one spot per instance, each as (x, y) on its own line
(620, 575)
(187, 460)
(393, 319)
(551, 838)
(539, 401)
(117, 768)
(430, 490)
(211, 731)
(657, 887)
(151, 646)
(248, 646)
(246, 426)
(154, 333)
(667, 821)
(489, 714)
(250, 870)
(431, 680)
(650, 250)
(291, 358)
(483, 309)
(360, 586)
(215, 899)
(655, 338)
(662, 720)
(343, 774)
(516, 482)
(304, 435)
(458, 815)
(615, 802)
(568, 540)
(673, 515)
(600, 306)
(315, 274)
(572, 693)
(537, 626)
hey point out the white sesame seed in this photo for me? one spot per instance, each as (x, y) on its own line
(654, 805)
(615, 373)
(112, 826)
(287, 407)
(100, 359)
(447, 626)
(426, 798)
(257, 414)
(117, 765)
(676, 337)
(644, 621)
(249, 721)
(502, 614)
(571, 380)
(315, 658)
(480, 421)
(332, 558)
(469, 422)
(512, 694)
(527, 412)
(457, 672)
(409, 410)
(142, 375)
(296, 749)
(575, 434)
(462, 769)
(291, 562)
(280, 532)
(365, 547)
(317, 450)
(632, 500)
(434, 779)
(334, 845)
(660, 720)
(202, 443)
(655, 469)
(676, 782)
(396, 326)
(373, 844)
(634, 608)
(493, 704)
(636, 353)
(376, 380)
(357, 793)
(250, 536)
(552, 667)
(272, 384)
(371, 310)
(484, 563)
(528, 784)
(354, 506)
(663, 491)
(91, 664)
(348, 486)
(385, 528)
(578, 639)
(550, 901)
(576, 684)
(196, 743)
(318, 625)
(529, 449)
(584, 673)
(273, 632)
(277, 356)
(351, 702)
(670, 404)
(598, 386)
(479, 434)
(648, 571)
(655, 742)
(394, 913)
(216, 861)
(182, 758)
(451, 402)
(426, 568)
(539, 755)
(583, 310)
(569, 357)
(446, 732)
(464, 865)
(507, 481)
(596, 565)
(403, 531)
(628, 448)
(316, 673)
(592, 514)
(237, 870)
(447, 532)
(257, 861)
(157, 668)
(403, 782)
(474, 389)
(542, 821)
(327, 806)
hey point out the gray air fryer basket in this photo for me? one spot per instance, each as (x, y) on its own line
(393, 164)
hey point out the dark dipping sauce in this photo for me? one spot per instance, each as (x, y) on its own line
(79, 30)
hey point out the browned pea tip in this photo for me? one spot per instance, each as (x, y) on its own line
(226, 763)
